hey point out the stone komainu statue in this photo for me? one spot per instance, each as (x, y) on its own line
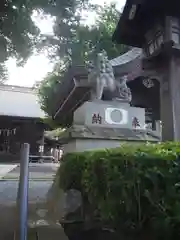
(123, 92)
(101, 78)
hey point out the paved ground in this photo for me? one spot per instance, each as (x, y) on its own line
(41, 178)
(6, 168)
(36, 171)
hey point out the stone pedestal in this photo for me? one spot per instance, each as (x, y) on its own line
(103, 124)
(112, 114)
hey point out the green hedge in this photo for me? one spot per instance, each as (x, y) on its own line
(135, 189)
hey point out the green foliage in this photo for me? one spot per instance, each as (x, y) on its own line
(46, 91)
(54, 134)
(104, 27)
(134, 189)
(17, 29)
(19, 34)
(76, 43)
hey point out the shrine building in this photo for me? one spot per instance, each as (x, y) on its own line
(21, 121)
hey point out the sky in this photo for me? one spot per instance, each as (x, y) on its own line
(39, 65)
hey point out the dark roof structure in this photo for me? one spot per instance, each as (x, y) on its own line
(75, 89)
(140, 15)
(72, 91)
(129, 64)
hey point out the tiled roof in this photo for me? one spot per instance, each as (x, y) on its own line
(20, 102)
(129, 64)
(126, 57)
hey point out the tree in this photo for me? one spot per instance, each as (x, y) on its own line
(106, 24)
(74, 40)
(76, 43)
(19, 34)
(46, 91)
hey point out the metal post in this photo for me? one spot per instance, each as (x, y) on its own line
(23, 191)
(42, 149)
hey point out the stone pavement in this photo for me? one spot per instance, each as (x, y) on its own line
(6, 168)
(36, 171)
(41, 179)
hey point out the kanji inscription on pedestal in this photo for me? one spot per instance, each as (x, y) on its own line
(135, 123)
(96, 118)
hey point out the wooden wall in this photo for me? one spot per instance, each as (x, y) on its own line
(15, 131)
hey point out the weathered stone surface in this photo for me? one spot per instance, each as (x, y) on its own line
(39, 211)
(106, 124)
(78, 131)
(108, 114)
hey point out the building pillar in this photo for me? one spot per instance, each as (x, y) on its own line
(170, 100)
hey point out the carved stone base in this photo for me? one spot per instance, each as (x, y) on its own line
(109, 114)
(106, 124)
(82, 138)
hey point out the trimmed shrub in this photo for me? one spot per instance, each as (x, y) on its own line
(133, 189)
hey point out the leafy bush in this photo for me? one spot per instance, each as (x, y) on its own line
(135, 189)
